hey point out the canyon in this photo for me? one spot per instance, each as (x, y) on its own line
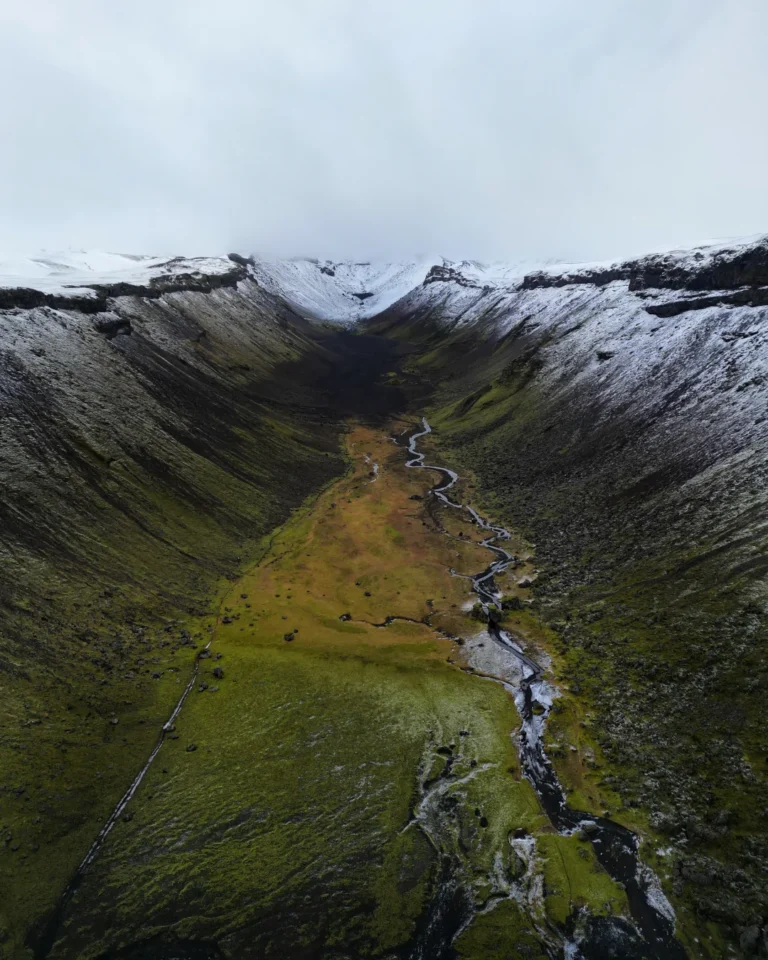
(206, 488)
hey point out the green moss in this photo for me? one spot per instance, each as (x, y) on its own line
(573, 879)
(110, 632)
(300, 786)
(290, 825)
(395, 536)
(503, 933)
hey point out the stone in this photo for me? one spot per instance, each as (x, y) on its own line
(218, 673)
(516, 867)
(191, 748)
(749, 939)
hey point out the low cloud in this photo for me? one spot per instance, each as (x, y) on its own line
(493, 129)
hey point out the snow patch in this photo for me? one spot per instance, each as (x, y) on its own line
(653, 892)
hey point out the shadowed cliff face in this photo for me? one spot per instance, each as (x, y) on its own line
(633, 449)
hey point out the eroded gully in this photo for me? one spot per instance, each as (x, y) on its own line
(651, 933)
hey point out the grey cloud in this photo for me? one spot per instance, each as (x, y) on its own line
(488, 129)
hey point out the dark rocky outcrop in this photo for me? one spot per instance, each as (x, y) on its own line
(699, 271)
(25, 298)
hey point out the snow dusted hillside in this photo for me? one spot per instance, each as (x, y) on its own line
(347, 291)
(683, 332)
(344, 292)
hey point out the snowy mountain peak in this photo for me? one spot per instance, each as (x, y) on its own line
(343, 291)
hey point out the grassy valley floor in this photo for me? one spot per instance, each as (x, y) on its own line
(335, 787)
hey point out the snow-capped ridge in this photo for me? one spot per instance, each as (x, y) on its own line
(347, 292)
(76, 273)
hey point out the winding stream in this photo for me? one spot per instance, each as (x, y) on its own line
(652, 934)
(651, 937)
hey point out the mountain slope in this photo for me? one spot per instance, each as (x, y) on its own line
(151, 441)
(618, 414)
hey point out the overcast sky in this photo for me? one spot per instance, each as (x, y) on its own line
(489, 129)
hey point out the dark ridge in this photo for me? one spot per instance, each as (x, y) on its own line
(748, 297)
(441, 273)
(243, 261)
(598, 278)
(25, 298)
(723, 271)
